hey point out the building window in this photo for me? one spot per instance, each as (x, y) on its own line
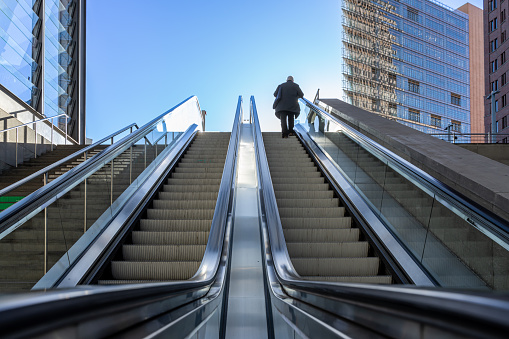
(393, 109)
(413, 86)
(414, 115)
(412, 14)
(502, 58)
(493, 24)
(502, 16)
(492, 5)
(455, 99)
(503, 36)
(494, 85)
(436, 121)
(504, 100)
(503, 79)
(456, 126)
(374, 104)
(493, 44)
(392, 79)
(496, 105)
(504, 122)
(494, 66)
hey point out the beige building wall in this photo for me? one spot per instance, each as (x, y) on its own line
(476, 49)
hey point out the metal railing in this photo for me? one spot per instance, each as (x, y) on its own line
(471, 138)
(16, 128)
(83, 152)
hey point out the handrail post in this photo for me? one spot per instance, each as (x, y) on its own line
(45, 181)
(52, 128)
(35, 139)
(17, 129)
(111, 195)
(66, 131)
(130, 164)
(85, 200)
(145, 152)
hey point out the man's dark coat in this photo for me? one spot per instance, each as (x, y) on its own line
(290, 94)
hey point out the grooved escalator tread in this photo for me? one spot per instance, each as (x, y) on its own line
(170, 241)
(321, 241)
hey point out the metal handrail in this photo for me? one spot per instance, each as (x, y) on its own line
(33, 122)
(17, 214)
(472, 138)
(323, 309)
(137, 302)
(49, 168)
(35, 131)
(212, 253)
(496, 228)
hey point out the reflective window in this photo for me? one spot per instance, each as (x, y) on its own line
(414, 115)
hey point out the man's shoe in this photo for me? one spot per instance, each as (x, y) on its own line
(291, 134)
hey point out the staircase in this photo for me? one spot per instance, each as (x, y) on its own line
(24, 170)
(22, 251)
(322, 241)
(170, 242)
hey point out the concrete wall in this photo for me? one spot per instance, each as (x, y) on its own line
(14, 112)
(483, 180)
(497, 152)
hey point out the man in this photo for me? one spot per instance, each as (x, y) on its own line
(287, 107)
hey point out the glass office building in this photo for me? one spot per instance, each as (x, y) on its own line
(42, 57)
(408, 60)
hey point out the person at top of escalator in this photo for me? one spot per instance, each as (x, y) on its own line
(286, 105)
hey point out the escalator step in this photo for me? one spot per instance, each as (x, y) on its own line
(128, 270)
(163, 252)
(180, 214)
(301, 223)
(304, 194)
(291, 181)
(337, 266)
(196, 176)
(357, 249)
(170, 238)
(188, 195)
(191, 188)
(321, 235)
(193, 182)
(331, 212)
(377, 279)
(183, 204)
(301, 187)
(303, 203)
(174, 225)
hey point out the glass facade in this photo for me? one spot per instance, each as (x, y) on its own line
(408, 60)
(40, 57)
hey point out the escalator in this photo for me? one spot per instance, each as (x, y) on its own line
(169, 243)
(323, 242)
(327, 180)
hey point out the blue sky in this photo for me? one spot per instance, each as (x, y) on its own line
(144, 58)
